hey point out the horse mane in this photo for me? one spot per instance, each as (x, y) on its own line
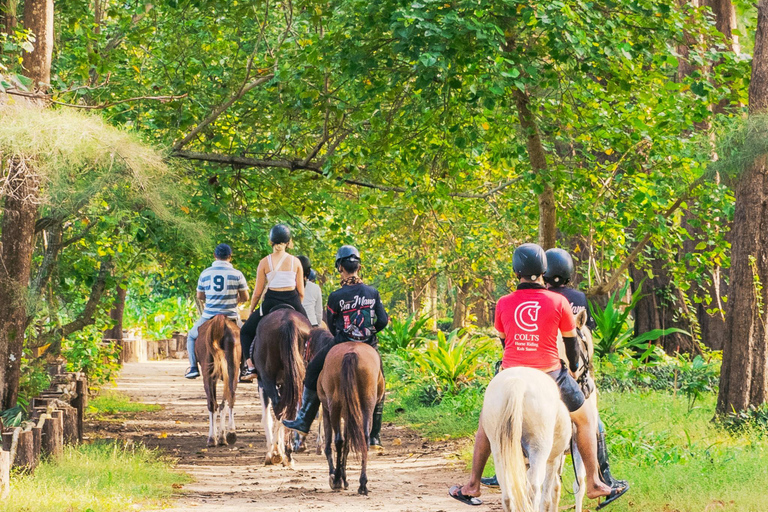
(319, 338)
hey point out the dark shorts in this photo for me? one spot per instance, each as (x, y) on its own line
(570, 392)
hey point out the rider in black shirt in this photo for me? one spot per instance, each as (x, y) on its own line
(355, 313)
(557, 276)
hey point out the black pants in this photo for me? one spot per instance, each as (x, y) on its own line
(315, 366)
(271, 299)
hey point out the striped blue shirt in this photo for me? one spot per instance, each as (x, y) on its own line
(221, 283)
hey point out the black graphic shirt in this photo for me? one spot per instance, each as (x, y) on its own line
(356, 313)
(578, 303)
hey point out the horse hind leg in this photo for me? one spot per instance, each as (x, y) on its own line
(580, 477)
(536, 475)
(210, 392)
(328, 449)
(223, 413)
(320, 429)
(338, 441)
(267, 423)
(231, 430)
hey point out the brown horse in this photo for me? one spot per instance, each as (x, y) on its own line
(350, 386)
(276, 355)
(218, 349)
(319, 338)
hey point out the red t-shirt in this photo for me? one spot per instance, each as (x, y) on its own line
(530, 319)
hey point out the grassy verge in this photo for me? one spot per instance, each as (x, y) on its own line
(100, 477)
(675, 460)
(112, 403)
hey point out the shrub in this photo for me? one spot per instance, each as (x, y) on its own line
(454, 360)
(753, 419)
(614, 332)
(400, 334)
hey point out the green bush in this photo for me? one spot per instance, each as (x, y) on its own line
(614, 331)
(400, 334)
(754, 419)
(454, 360)
(86, 352)
(445, 323)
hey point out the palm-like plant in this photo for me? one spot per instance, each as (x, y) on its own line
(400, 334)
(453, 360)
(614, 332)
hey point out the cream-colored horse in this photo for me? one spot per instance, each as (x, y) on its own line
(523, 409)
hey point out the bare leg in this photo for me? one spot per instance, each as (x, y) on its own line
(479, 458)
(586, 427)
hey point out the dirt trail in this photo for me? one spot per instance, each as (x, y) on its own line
(414, 476)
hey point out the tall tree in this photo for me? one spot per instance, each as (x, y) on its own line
(19, 214)
(744, 379)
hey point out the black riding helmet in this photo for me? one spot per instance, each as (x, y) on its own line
(312, 275)
(306, 266)
(529, 261)
(347, 252)
(280, 234)
(559, 267)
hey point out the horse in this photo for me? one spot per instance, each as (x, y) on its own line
(280, 375)
(319, 338)
(218, 349)
(350, 386)
(523, 412)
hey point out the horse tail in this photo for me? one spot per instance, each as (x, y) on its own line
(351, 409)
(293, 364)
(220, 368)
(508, 434)
(233, 353)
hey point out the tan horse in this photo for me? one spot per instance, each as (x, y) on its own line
(350, 386)
(218, 349)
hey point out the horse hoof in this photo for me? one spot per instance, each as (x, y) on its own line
(276, 459)
(331, 483)
(363, 490)
(231, 438)
(346, 485)
(211, 442)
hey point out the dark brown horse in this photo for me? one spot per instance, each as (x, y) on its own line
(319, 338)
(350, 386)
(280, 368)
(218, 349)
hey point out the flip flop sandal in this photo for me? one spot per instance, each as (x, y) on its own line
(616, 493)
(467, 500)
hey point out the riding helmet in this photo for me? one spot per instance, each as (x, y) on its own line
(529, 261)
(559, 267)
(347, 252)
(280, 234)
(312, 275)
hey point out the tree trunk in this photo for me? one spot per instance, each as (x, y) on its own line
(10, 19)
(116, 314)
(19, 214)
(725, 20)
(38, 18)
(743, 377)
(538, 159)
(460, 308)
(18, 228)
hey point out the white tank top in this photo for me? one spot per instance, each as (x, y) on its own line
(280, 278)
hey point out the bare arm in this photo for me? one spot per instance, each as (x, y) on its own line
(242, 296)
(258, 289)
(201, 296)
(300, 280)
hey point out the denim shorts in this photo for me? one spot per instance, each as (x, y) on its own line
(570, 392)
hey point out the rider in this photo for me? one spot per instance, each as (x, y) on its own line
(528, 321)
(313, 296)
(355, 313)
(279, 280)
(222, 288)
(557, 277)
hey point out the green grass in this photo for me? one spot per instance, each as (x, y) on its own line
(114, 403)
(673, 459)
(100, 477)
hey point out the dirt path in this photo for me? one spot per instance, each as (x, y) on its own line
(413, 476)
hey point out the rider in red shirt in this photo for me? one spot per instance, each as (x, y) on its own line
(528, 321)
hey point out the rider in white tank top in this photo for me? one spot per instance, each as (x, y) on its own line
(277, 279)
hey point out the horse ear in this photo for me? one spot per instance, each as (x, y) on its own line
(581, 319)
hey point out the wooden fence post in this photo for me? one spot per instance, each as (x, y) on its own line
(53, 435)
(70, 425)
(5, 473)
(79, 403)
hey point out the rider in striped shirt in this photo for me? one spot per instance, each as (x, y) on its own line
(222, 287)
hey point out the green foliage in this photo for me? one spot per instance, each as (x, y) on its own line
(115, 403)
(103, 476)
(614, 333)
(452, 361)
(401, 334)
(86, 352)
(155, 316)
(752, 420)
(14, 416)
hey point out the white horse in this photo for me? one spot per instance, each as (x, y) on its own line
(523, 414)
